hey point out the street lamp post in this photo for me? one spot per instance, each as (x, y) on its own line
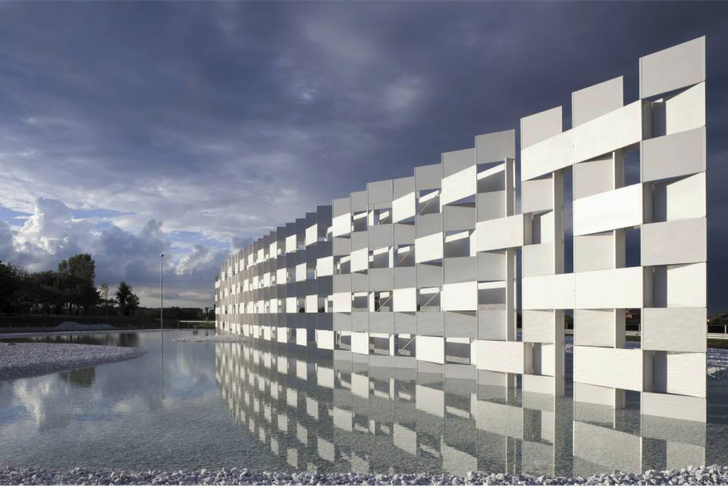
(106, 303)
(161, 294)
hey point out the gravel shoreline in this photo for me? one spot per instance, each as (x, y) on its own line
(23, 360)
(9, 475)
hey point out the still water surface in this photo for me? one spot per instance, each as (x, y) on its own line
(195, 405)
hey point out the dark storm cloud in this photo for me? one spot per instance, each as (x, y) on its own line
(227, 119)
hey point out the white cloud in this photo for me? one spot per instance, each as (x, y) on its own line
(52, 234)
(201, 260)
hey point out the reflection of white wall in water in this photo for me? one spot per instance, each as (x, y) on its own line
(434, 255)
(395, 419)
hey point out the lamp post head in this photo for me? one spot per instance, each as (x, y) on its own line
(161, 256)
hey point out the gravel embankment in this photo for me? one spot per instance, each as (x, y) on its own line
(49, 333)
(22, 360)
(8, 475)
(213, 339)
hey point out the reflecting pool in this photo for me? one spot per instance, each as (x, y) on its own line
(255, 405)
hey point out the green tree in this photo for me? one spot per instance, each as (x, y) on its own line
(11, 286)
(88, 296)
(76, 278)
(15, 288)
(82, 267)
(46, 293)
(127, 299)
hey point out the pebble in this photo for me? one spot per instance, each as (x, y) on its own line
(15, 476)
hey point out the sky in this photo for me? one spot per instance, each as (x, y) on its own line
(128, 129)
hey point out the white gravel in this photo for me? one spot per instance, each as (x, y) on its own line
(9, 475)
(226, 338)
(22, 360)
(718, 363)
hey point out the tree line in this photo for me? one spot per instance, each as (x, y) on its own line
(69, 289)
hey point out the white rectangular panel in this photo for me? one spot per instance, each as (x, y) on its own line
(686, 374)
(621, 208)
(491, 266)
(547, 156)
(291, 244)
(291, 305)
(613, 131)
(680, 199)
(623, 452)
(404, 438)
(500, 233)
(615, 368)
(404, 207)
(301, 337)
(301, 272)
(538, 384)
(429, 248)
(324, 267)
(405, 300)
(675, 155)
(686, 285)
(360, 260)
(460, 296)
(430, 400)
(541, 126)
(341, 225)
(596, 251)
(548, 359)
(495, 147)
(673, 242)
(674, 329)
(458, 186)
(431, 349)
(595, 101)
(360, 384)
(685, 111)
(596, 327)
(548, 292)
(538, 260)
(500, 419)
(621, 288)
(681, 455)
(539, 326)
(537, 195)
(324, 340)
(311, 234)
(360, 342)
(674, 406)
(597, 175)
(672, 68)
(597, 395)
(502, 356)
